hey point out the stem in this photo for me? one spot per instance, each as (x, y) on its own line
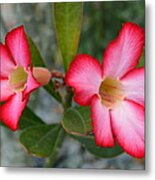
(50, 88)
(68, 98)
(57, 74)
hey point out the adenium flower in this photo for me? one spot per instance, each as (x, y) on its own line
(114, 90)
(17, 76)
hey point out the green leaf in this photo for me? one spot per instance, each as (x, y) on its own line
(68, 20)
(29, 119)
(38, 62)
(89, 144)
(77, 120)
(2, 124)
(142, 60)
(35, 54)
(42, 140)
(85, 113)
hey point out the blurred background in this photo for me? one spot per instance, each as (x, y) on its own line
(101, 23)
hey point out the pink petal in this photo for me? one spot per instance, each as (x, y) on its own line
(17, 43)
(31, 84)
(101, 123)
(133, 84)
(84, 75)
(128, 127)
(11, 111)
(7, 63)
(5, 90)
(123, 53)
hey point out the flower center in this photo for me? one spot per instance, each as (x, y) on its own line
(111, 92)
(18, 78)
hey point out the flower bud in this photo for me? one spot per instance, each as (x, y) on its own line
(42, 75)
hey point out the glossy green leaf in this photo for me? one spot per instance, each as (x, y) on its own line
(89, 143)
(77, 120)
(68, 20)
(29, 119)
(42, 140)
(38, 62)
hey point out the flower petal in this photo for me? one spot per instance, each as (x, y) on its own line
(5, 90)
(7, 62)
(133, 84)
(101, 123)
(31, 84)
(17, 43)
(84, 75)
(123, 53)
(11, 111)
(128, 127)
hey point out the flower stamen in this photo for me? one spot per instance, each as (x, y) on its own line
(18, 78)
(111, 92)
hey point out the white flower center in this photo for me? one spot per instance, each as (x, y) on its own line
(18, 78)
(111, 92)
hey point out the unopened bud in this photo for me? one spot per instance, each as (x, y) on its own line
(42, 75)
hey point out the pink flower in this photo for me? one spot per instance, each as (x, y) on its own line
(17, 76)
(114, 90)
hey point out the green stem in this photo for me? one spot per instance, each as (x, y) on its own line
(51, 90)
(68, 98)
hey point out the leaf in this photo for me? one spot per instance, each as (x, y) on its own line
(142, 60)
(76, 120)
(35, 54)
(29, 119)
(42, 140)
(38, 61)
(85, 113)
(68, 20)
(89, 144)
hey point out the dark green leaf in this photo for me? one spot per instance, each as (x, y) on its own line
(89, 144)
(77, 120)
(68, 19)
(29, 119)
(142, 60)
(85, 113)
(38, 61)
(2, 124)
(73, 122)
(42, 140)
(35, 54)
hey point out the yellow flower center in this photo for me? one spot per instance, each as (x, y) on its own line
(111, 92)
(18, 78)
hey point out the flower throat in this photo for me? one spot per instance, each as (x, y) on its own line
(111, 92)
(18, 78)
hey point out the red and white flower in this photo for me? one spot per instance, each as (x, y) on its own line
(114, 90)
(17, 76)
